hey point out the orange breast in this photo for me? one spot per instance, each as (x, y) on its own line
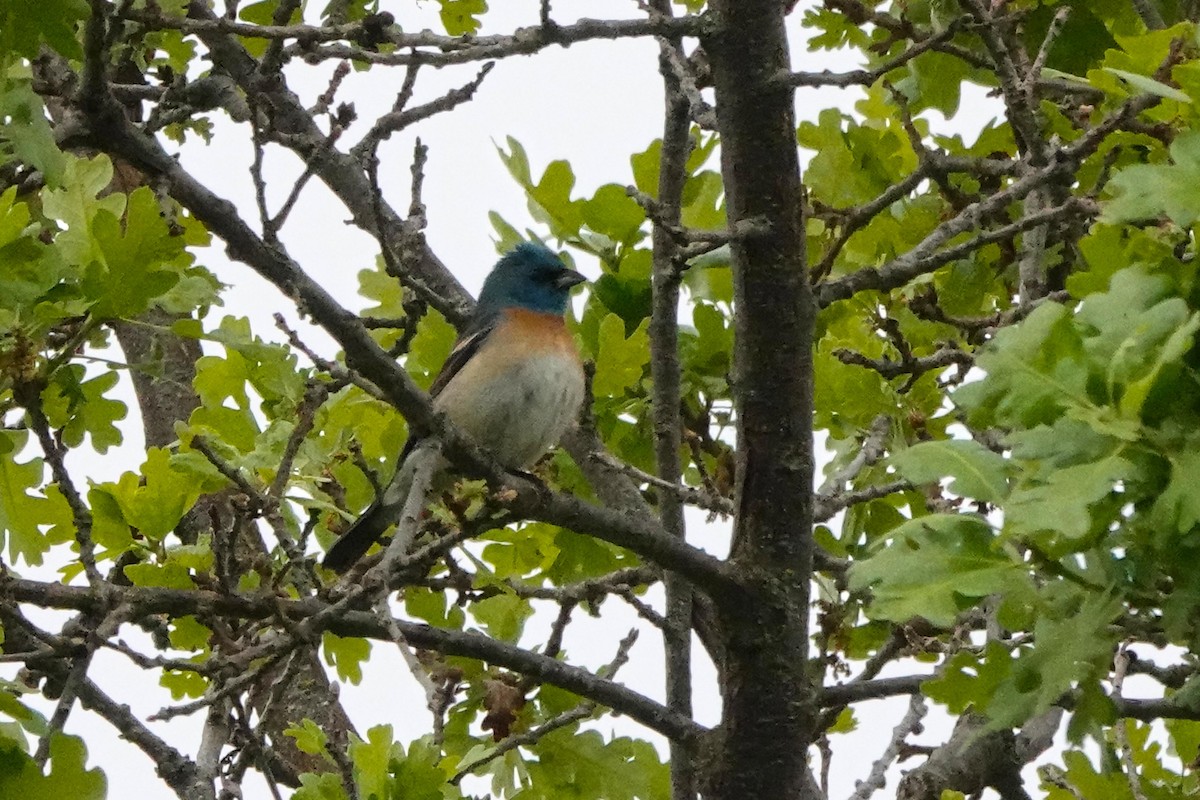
(540, 331)
(519, 335)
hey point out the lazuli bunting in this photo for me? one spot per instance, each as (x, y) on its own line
(513, 381)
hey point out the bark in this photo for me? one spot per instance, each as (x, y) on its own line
(976, 758)
(665, 374)
(768, 706)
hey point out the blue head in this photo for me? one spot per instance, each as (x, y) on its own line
(529, 276)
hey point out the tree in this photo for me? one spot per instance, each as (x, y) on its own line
(994, 333)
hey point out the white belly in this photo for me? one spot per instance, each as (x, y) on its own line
(521, 413)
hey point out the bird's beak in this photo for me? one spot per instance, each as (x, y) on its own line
(569, 278)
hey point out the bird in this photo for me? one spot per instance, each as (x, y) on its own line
(513, 382)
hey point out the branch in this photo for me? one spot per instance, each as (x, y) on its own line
(975, 758)
(864, 77)
(926, 257)
(1151, 17)
(579, 712)
(174, 603)
(1121, 728)
(424, 47)
(689, 495)
(176, 769)
(857, 691)
(825, 507)
(768, 718)
(524, 41)
(682, 102)
(911, 723)
(341, 172)
(399, 119)
(30, 397)
(912, 366)
(1010, 65)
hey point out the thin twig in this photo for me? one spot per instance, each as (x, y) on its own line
(1052, 33)
(396, 121)
(1121, 728)
(436, 700)
(864, 77)
(30, 396)
(580, 712)
(911, 722)
(873, 448)
(1151, 17)
(689, 495)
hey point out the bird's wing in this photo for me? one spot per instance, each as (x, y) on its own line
(463, 350)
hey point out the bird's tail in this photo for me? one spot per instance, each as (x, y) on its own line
(357, 540)
(367, 529)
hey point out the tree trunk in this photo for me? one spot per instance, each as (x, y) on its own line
(768, 706)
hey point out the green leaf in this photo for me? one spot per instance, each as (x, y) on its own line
(77, 203)
(263, 13)
(462, 16)
(323, 786)
(614, 213)
(1177, 508)
(134, 254)
(157, 499)
(1066, 650)
(935, 567)
(1147, 191)
(432, 607)
(165, 576)
(430, 348)
(1035, 371)
(30, 271)
(25, 24)
(702, 207)
(503, 615)
(1149, 85)
(582, 557)
(975, 471)
(187, 633)
(583, 764)
(646, 168)
(27, 719)
(80, 407)
(510, 237)
(625, 291)
(970, 681)
(183, 683)
(550, 200)
(346, 654)
(517, 161)
(25, 133)
(713, 350)
(22, 514)
(1082, 777)
(371, 757)
(109, 528)
(620, 361)
(1180, 339)
(935, 81)
(310, 739)
(1061, 502)
(1185, 738)
(419, 774)
(1083, 38)
(21, 777)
